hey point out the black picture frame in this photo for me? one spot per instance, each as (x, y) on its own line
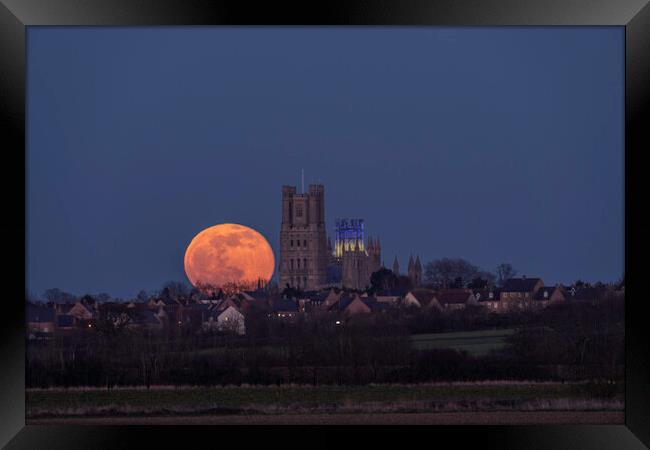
(634, 15)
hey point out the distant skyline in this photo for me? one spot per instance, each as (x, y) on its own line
(490, 144)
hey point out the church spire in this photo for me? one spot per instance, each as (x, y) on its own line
(395, 266)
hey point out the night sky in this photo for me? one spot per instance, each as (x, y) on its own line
(495, 145)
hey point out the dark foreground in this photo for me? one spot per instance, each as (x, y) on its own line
(456, 418)
(503, 402)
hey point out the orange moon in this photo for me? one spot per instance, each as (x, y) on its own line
(228, 253)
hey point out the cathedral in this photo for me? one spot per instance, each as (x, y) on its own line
(307, 255)
(414, 272)
(358, 265)
(357, 260)
(303, 239)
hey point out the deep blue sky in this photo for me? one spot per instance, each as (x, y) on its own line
(489, 144)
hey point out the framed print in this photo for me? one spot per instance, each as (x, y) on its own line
(417, 214)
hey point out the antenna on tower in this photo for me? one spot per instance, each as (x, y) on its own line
(302, 180)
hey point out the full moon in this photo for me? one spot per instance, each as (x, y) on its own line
(228, 253)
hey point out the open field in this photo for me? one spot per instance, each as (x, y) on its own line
(475, 343)
(310, 400)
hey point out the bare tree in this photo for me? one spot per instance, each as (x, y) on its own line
(447, 271)
(174, 290)
(56, 295)
(504, 271)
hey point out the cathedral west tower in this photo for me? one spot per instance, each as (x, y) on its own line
(303, 241)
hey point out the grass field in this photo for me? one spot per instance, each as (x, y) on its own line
(478, 396)
(475, 343)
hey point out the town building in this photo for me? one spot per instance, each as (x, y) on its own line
(421, 298)
(547, 295)
(519, 292)
(489, 297)
(452, 299)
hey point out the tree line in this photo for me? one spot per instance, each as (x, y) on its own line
(571, 341)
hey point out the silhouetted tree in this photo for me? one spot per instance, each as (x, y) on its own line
(503, 272)
(443, 272)
(404, 283)
(383, 279)
(174, 290)
(478, 283)
(56, 295)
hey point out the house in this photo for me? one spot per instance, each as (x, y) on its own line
(66, 322)
(392, 296)
(338, 304)
(284, 308)
(244, 296)
(319, 298)
(155, 303)
(454, 299)
(587, 294)
(355, 306)
(490, 298)
(547, 295)
(230, 301)
(332, 298)
(228, 319)
(307, 305)
(377, 306)
(421, 298)
(520, 291)
(79, 309)
(231, 319)
(145, 318)
(259, 305)
(40, 319)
